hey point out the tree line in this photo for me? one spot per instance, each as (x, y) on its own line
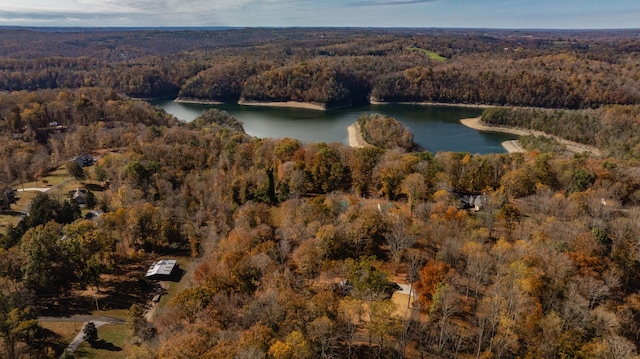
(337, 67)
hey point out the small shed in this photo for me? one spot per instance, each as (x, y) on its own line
(161, 269)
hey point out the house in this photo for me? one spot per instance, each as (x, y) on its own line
(161, 270)
(78, 196)
(84, 160)
(475, 202)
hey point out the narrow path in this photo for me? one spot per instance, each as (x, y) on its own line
(25, 210)
(71, 348)
(82, 318)
(38, 189)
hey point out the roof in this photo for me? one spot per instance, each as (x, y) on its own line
(163, 267)
(84, 160)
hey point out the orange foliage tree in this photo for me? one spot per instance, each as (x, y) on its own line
(432, 274)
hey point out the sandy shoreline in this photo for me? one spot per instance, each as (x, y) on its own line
(321, 107)
(355, 137)
(443, 104)
(514, 146)
(290, 104)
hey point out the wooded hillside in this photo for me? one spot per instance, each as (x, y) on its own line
(334, 67)
(297, 250)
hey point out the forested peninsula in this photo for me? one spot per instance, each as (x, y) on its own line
(288, 249)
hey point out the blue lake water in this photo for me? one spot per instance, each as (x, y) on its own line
(435, 128)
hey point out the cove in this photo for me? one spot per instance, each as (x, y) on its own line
(435, 128)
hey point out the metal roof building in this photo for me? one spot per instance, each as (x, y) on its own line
(161, 268)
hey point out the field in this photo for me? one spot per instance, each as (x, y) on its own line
(432, 55)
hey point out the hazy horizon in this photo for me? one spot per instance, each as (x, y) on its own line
(464, 14)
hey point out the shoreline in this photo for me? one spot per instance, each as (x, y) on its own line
(512, 146)
(429, 103)
(355, 137)
(289, 104)
(196, 101)
(321, 107)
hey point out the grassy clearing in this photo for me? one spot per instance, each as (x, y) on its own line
(13, 217)
(65, 331)
(432, 55)
(59, 182)
(113, 313)
(112, 341)
(54, 178)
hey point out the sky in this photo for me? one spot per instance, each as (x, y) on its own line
(521, 14)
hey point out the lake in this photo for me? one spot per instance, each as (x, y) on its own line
(435, 128)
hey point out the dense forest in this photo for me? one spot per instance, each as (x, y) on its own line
(334, 67)
(297, 250)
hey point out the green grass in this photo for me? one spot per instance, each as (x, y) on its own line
(112, 342)
(432, 55)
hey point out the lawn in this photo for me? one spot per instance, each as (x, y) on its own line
(13, 217)
(60, 183)
(112, 341)
(432, 55)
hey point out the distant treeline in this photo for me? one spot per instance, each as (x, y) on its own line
(333, 67)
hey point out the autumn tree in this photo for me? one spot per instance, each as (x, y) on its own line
(75, 170)
(369, 283)
(46, 267)
(324, 336)
(42, 209)
(351, 315)
(294, 346)
(17, 326)
(433, 274)
(414, 186)
(398, 241)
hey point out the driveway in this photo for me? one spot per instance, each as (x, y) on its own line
(98, 320)
(38, 189)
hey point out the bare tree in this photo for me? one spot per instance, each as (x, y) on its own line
(398, 241)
